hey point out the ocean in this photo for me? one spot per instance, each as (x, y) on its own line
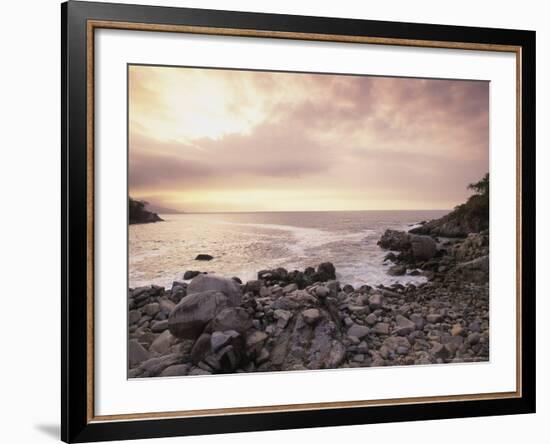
(244, 243)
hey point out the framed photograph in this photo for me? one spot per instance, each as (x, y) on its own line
(275, 221)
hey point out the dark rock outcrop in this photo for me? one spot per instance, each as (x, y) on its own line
(138, 213)
(204, 257)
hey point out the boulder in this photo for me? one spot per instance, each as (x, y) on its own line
(397, 270)
(134, 316)
(194, 311)
(423, 247)
(232, 318)
(376, 301)
(434, 318)
(326, 272)
(404, 326)
(151, 309)
(136, 353)
(253, 286)
(440, 351)
(155, 366)
(395, 240)
(176, 370)
(204, 257)
(190, 274)
(382, 328)
(359, 331)
(208, 282)
(160, 326)
(163, 342)
(311, 315)
(201, 348)
(322, 291)
(218, 339)
(303, 346)
(255, 341)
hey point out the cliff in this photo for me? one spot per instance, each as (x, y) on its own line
(138, 213)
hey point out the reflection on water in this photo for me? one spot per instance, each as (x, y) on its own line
(244, 243)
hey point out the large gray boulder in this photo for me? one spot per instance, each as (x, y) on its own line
(233, 318)
(423, 247)
(191, 315)
(395, 240)
(208, 282)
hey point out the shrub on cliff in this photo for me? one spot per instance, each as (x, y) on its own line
(469, 217)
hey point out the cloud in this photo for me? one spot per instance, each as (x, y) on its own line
(391, 139)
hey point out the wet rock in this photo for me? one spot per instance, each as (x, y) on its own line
(204, 257)
(395, 240)
(190, 274)
(253, 286)
(326, 272)
(348, 289)
(397, 270)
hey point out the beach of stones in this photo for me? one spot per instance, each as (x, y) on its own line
(307, 320)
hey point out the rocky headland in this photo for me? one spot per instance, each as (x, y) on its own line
(308, 320)
(139, 214)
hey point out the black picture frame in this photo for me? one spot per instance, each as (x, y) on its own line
(76, 423)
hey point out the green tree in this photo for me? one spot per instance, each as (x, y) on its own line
(481, 187)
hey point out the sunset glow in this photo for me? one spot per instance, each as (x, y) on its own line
(210, 140)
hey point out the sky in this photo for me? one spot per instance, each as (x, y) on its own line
(215, 140)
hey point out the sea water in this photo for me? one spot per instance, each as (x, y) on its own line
(244, 243)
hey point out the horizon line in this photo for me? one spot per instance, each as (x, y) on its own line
(302, 211)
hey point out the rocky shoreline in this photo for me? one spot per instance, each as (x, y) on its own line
(306, 320)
